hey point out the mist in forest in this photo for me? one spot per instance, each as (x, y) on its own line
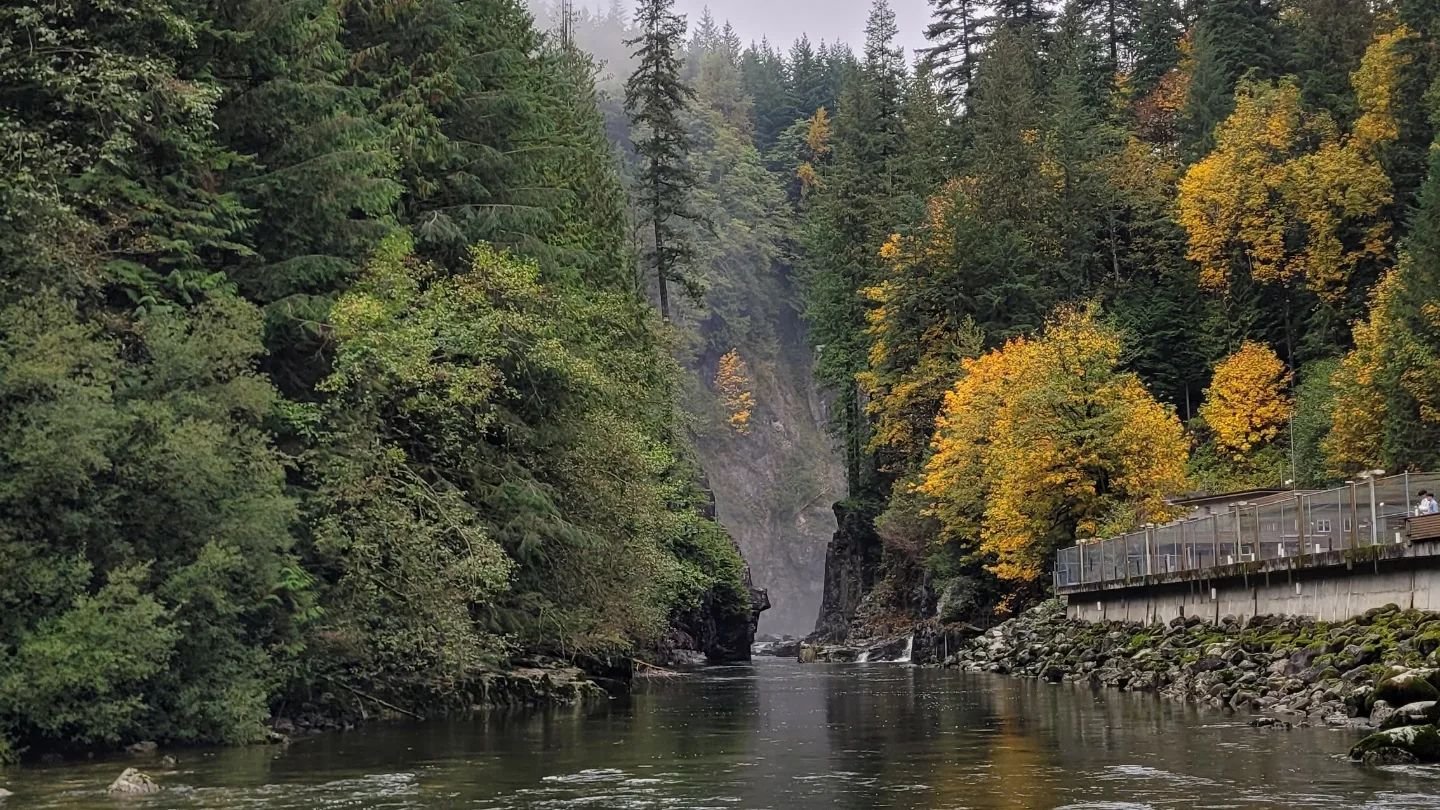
(783, 21)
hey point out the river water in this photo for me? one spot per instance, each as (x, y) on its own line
(783, 736)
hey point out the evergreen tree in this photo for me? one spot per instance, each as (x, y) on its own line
(956, 34)
(1233, 39)
(1158, 29)
(1019, 15)
(655, 96)
(1329, 37)
(765, 81)
(321, 183)
(863, 201)
(464, 129)
(807, 85)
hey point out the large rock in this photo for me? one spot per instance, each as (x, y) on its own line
(721, 628)
(1412, 714)
(1410, 686)
(132, 782)
(852, 567)
(1422, 742)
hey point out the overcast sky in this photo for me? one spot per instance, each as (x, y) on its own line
(784, 20)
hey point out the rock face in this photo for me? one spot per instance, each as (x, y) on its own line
(718, 631)
(774, 483)
(1351, 674)
(132, 782)
(852, 567)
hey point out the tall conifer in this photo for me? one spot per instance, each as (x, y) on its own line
(655, 96)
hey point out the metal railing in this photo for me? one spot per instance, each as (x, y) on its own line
(1364, 512)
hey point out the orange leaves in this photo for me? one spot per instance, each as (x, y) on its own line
(732, 380)
(1279, 195)
(1044, 440)
(1247, 405)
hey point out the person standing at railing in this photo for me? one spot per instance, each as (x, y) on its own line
(1428, 504)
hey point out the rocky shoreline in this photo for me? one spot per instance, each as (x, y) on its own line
(1378, 671)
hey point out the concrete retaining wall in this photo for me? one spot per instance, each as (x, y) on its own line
(1332, 594)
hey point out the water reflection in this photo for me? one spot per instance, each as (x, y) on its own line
(781, 736)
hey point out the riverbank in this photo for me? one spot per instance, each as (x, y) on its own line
(1378, 671)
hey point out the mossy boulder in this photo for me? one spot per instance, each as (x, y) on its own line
(1411, 686)
(1423, 742)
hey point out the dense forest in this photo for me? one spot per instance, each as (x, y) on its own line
(1077, 257)
(351, 350)
(326, 375)
(1086, 255)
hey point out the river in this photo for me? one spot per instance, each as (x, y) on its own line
(784, 736)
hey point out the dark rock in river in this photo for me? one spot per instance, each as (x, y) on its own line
(852, 567)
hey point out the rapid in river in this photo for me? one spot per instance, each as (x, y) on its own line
(784, 736)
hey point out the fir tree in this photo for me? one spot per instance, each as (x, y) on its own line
(863, 201)
(956, 34)
(655, 96)
(1233, 39)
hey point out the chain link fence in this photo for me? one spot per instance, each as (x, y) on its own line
(1364, 512)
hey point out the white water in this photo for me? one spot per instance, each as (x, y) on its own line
(864, 656)
(909, 650)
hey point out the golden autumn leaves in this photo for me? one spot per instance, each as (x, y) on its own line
(1285, 195)
(1046, 439)
(1246, 405)
(732, 381)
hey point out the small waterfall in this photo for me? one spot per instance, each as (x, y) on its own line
(909, 650)
(863, 657)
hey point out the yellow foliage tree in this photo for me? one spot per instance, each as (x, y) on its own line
(817, 149)
(1247, 405)
(1044, 441)
(1360, 409)
(1281, 194)
(732, 380)
(908, 371)
(1377, 87)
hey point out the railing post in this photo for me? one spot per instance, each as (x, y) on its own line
(1239, 531)
(1354, 524)
(1374, 515)
(1214, 541)
(1300, 524)
(1149, 556)
(1081, 548)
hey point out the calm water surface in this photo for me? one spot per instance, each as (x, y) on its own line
(781, 736)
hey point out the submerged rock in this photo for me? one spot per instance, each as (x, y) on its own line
(131, 782)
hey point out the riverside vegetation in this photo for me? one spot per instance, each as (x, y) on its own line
(327, 387)
(1378, 671)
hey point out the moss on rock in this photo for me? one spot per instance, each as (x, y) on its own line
(1421, 741)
